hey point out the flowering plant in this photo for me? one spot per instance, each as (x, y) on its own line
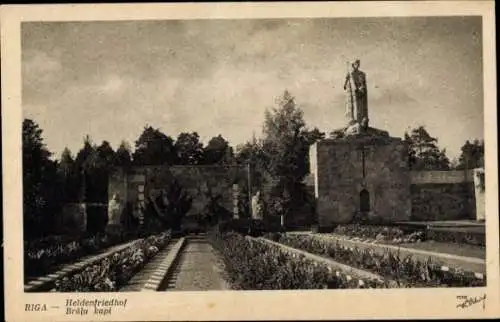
(41, 257)
(390, 235)
(115, 270)
(253, 264)
(406, 272)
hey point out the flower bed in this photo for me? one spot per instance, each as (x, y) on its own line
(49, 241)
(114, 271)
(446, 235)
(42, 256)
(406, 272)
(255, 265)
(395, 235)
(389, 235)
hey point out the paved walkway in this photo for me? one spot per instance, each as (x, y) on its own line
(199, 269)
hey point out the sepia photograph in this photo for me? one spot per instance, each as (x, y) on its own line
(178, 155)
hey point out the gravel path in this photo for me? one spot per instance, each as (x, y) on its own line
(199, 269)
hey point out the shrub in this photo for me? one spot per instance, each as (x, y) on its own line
(115, 270)
(43, 256)
(393, 235)
(407, 272)
(458, 237)
(252, 264)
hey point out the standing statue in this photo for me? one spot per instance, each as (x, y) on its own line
(357, 95)
(115, 209)
(256, 207)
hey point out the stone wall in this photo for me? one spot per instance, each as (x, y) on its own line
(395, 192)
(441, 177)
(200, 183)
(446, 195)
(73, 218)
(337, 168)
(443, 201)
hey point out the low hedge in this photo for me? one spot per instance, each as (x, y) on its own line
(406, 272)
(387, 234)
(447, 235)
(41, 258)
(255, 265)
(114, 271)
(401, 234)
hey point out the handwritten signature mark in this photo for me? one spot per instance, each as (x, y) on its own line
(468, 301)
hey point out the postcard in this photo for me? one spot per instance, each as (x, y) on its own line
(250, 161)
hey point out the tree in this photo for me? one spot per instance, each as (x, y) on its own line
(40, 182)
(285, 150)
(472, 155)
(69, 177)
(154, 148)
(123, 156)
(67, 163)
(92, 166)
(189, 149)
(106, 156)
(424, 154)
(171, 205)
(85, 158)
(217, 151)
(250, 155)
(85, 162)
(99, 165)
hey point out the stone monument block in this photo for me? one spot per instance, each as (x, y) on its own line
(361, 176)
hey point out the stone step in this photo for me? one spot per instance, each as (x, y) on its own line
(139, 279)
(151, 277)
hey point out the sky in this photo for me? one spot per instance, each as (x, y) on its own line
(111, 79)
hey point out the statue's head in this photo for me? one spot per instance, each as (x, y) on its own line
(356, 64)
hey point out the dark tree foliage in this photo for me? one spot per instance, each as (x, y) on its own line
(69, 176)
(285, 156)
(424, 153)
(170, 207)
(214, 212)
(217, 151)
(154, 148)
(123, 157)
(106, 156)
(41, 198)
(472, 155)
(189, 149)
(91, 168)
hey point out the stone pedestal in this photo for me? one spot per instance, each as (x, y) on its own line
(361, 172)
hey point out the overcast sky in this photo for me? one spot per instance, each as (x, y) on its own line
(110, 79)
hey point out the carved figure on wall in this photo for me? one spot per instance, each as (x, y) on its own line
(257, 206)
(115, 210)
